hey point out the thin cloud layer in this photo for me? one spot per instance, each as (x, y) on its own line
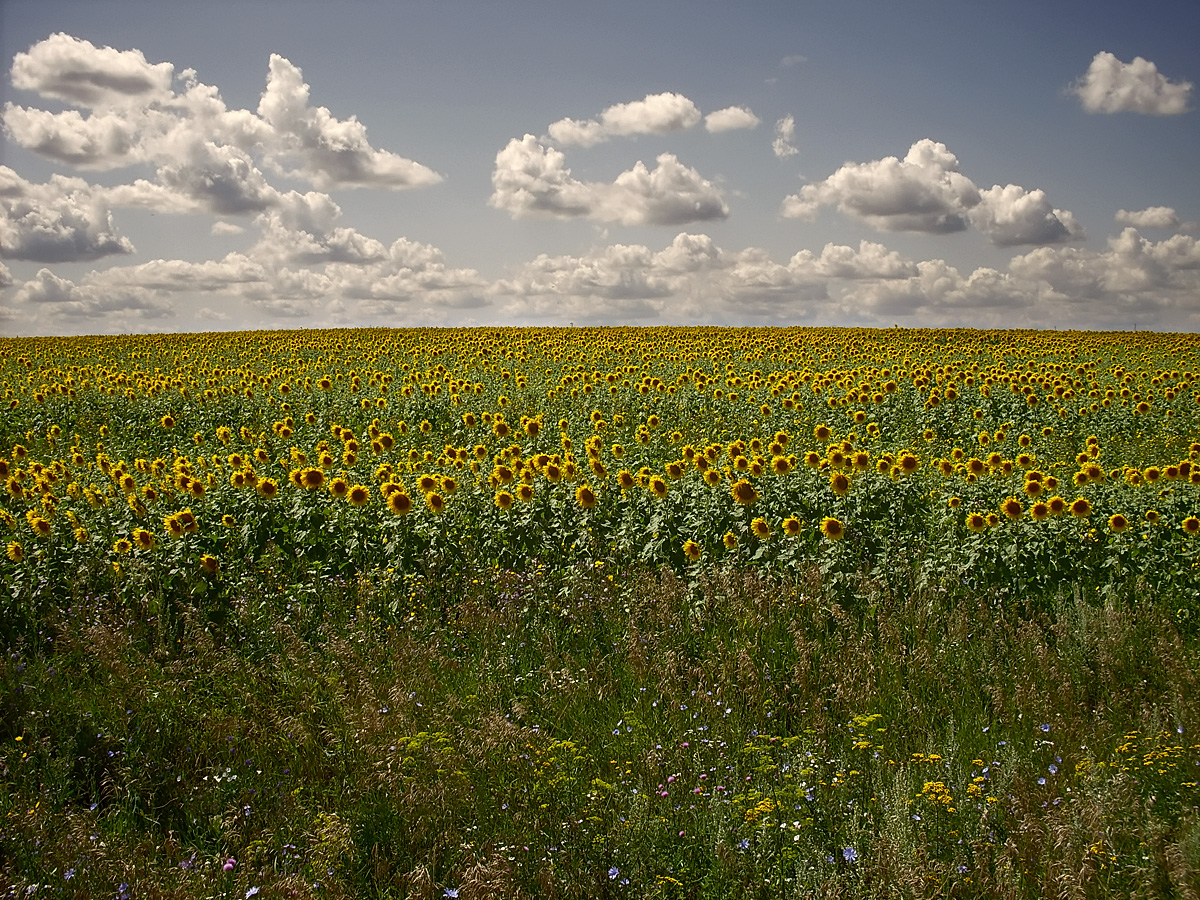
(531, 180)
(926, 193)
(1112, 86)
(785, 134)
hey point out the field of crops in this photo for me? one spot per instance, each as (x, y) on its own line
(618, 612)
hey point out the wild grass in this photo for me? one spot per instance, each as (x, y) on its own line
(479, 732)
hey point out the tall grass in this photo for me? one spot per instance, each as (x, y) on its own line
(596, 733)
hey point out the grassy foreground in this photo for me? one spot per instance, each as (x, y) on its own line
(723, 732)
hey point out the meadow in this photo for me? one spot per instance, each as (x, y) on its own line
(600, 613)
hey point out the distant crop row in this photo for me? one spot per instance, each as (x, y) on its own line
(1012, 460)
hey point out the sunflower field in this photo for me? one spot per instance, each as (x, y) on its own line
(572, 525)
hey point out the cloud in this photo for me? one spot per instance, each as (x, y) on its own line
(222, 227)
(531, 180)
(785, 133)
(1112, 86)
(76, 71)
(656, 114)
(218, 178)
(115, 306)
(793, 59)
(730, 119)
(870, 260)
(1151, 217)
(926, 193)
(1132, 271)
(176, 275)
(304, 230)
(6, 278)
(329, 152)
(203, 151)
(1012, 216)
(62, 220)
(97, 142)
(922, 192)
(693, 280)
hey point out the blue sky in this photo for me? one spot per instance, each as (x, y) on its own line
(194, 167)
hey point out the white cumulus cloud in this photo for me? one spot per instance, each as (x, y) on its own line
(731, 118)
(328, 152)
(655, 114)
(1113, 86)
(61, 220)
(76, 71)
(532, 180)
(1012, 216)
(1150, 217)
(925, 192)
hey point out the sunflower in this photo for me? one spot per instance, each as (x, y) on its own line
(729, 540)
(503, 500)
(436, 502)
(359, 495)
(228, 521)
(143, 539)
(813, 459)
(908, 463)
(691, 550)
(1040, 511)
(781, 465)
(268, 488)
(585, 496)
(1152, 474)
(861, 461)
(712, 477)
(1057, 505)
(954, 502)
(791, 526)
(16, 552)
(209, 564)
(1080, 508)
(173, 526)
(339, 487)
(832, 528)
(427, 484)
(41, 527)
(658, 487)
(976, 466)
(1033, 489)
(1152, 516)
(761, 529)
(976, 522)
(1012, 509)
(399, 502)
(1117, 523)
(743, 492)
(524, 492)
(1191, 525)
(188, 520)
(122, 545)
(839, 484)
(626, 479)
